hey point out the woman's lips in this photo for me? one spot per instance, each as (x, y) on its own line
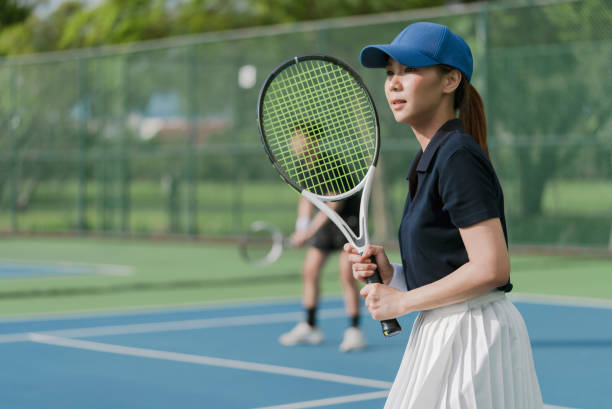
(397, 103)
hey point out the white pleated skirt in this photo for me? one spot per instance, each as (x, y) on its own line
(471, 355)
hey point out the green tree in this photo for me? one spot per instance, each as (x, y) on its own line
(546, 93)
(72, 25)
(35, 34)
(115, 22)
(13, 12)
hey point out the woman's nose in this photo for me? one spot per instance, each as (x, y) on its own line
(394, 83)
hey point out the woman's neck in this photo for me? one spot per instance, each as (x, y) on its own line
(425, 130)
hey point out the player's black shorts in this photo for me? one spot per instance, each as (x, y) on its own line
(329, 238)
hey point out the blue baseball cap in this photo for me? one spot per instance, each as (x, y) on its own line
(420, 45)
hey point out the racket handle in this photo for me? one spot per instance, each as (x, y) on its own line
(389, 327)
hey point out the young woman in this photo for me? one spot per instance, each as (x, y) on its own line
(469, 347)
(322, 237)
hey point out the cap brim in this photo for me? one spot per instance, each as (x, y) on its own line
(377, 56)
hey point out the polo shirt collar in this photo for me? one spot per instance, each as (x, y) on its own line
(412, 179)
(437, 141)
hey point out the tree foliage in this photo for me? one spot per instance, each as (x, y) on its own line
(73, 25)
(546, 92)
(13, 12)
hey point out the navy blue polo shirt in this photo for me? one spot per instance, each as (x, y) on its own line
(451, 185)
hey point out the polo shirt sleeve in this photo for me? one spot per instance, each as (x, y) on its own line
(468, 188)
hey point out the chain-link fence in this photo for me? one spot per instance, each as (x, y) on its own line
(161, 137)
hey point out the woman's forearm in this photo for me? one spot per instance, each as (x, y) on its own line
(467, 282)
(488, 267)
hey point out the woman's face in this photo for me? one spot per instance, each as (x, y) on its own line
(413, 94)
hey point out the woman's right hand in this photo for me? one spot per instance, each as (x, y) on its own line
(362, 265)
(299, 238)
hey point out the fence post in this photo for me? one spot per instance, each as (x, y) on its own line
(13, 125)
(482, 30)
(192, 205)
(379, 204)
(81, 171)
(238, 123)
(125, 152)
(102, 157)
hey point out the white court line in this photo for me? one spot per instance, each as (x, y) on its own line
(51, 338)
(96, 268)
(174, 325)
(234, 364)
(556, 407)
(159, 308)
(561, 300)
(54, 338)
(259, 319)
(206, 360)
(331, 401)
(268, 301)
(351, 398)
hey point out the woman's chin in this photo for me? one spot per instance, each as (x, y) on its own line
(401, 117)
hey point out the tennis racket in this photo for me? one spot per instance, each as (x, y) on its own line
(320, 129)
(262, 244)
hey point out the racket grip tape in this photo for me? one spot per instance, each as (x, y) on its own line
(389, 327)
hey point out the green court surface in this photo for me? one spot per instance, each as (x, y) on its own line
(51, 275)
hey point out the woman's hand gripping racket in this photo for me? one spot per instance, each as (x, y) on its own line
(320, 129)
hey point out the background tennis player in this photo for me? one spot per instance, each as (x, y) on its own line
(322, 237)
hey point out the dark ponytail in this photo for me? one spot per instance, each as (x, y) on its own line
(471, 110)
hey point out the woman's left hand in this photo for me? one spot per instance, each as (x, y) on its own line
(383, 302)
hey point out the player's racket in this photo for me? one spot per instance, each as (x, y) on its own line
(320, 129)
(262, 244)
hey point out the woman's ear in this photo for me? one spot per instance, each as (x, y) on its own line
(451, 81)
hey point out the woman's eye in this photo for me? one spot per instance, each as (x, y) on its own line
(410, 69)
(389, 73)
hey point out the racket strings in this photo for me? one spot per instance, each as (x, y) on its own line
(342, 183)
(338, 100)
(335, 172)
(312, 100)
(297, 96)
(325, 94)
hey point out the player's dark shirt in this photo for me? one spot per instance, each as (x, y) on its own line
(451, 185)
(329, 176)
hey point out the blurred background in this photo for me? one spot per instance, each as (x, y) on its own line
(105, 133)
(131, 167)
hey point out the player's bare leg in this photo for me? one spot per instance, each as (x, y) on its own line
(307, 332)
(354, 338)
(313, 264)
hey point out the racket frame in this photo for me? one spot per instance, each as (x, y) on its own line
(279, 243)
(361, 240)
(389, 327)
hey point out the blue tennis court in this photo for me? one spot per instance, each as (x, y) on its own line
(227, 357)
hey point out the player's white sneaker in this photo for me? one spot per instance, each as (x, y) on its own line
(302, 333)
(353, 340)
